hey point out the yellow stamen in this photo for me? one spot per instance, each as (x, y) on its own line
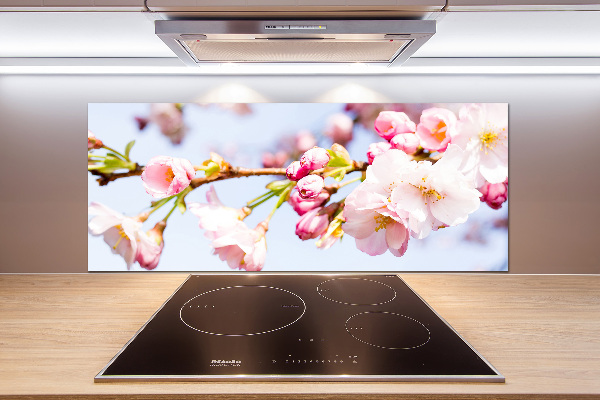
(169, 175)
(439, 132)
(121, 234)
(382, 221)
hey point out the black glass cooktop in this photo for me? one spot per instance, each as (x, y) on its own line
(297, 327)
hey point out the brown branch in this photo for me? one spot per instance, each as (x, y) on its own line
(104, 179)
(232, 172)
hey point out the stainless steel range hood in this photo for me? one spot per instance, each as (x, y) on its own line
(383, 42)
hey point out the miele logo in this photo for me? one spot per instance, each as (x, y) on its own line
(225, 363)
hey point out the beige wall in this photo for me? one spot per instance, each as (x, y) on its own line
(555, 141)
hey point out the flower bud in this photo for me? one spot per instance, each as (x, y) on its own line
(295, 171)
(407, 142)
(277, 160)
(302, 206)
(93, 142)
(150, 246)
(339, 128)
(304, 140)
(315, 158)
(376, 149)
(390, 123)
(494, 194)
(310, 186)
(312, 224)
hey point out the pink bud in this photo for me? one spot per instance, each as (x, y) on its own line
(390, 123)
(302, 206)
(165, 176)
(312, 224)
(494, 194)
(295, 171)
(142, 122)
(93, 141)
(310, 186)
(277, 160)
(339, 128)
(407, 142)
(315, 158)
(150, 247)
(304, 140)
(376, 149)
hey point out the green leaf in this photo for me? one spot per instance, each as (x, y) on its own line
(128, 148)
(278, 186)
(340, 175)
(338, 160)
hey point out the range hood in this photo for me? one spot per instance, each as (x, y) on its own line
(381, 42)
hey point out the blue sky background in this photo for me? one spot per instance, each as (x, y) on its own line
(241, 139)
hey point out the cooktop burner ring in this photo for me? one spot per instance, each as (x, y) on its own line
(388, 347)
(242, 334)
(393, 297)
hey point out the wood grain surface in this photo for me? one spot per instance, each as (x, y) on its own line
(542, 332)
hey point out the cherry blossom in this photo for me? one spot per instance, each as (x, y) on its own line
(121, 233)
(427, 196)
(166, 176)
(315, 158)
(295, 171)
(93, 141)
(390, 123)
(375, 228)
(150, 246)
(376, 149)
(483, 135)
(169, 118)
(407, 142)
(494, 194)
(312, 224)
(214, 215)
(436, 128)
(339, 128)
(302, 206)
(241, 247)
(310, 186)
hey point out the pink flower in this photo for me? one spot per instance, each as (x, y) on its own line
(150, 246)
(121, 233)
(312, 224)
(93, 142)
(483, 135)
(169, 118)
(390, 123)
(315, 158)
(310, 186)
(436, 129)
(295, 171)
(304, 140)
(302, 206)
(166, 176)
(214, 216)
(339, 128)
(277, 160)
(407, 142)
(494, 194)
(375, 228)
(242, 247)
(376, 149)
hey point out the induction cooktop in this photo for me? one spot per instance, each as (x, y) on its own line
(297, 327)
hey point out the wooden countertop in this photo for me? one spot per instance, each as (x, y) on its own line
(542, 332)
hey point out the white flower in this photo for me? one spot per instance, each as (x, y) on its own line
(483, 135)
(240, 246)
(121, 233)
(432, 196)
(214, 216)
